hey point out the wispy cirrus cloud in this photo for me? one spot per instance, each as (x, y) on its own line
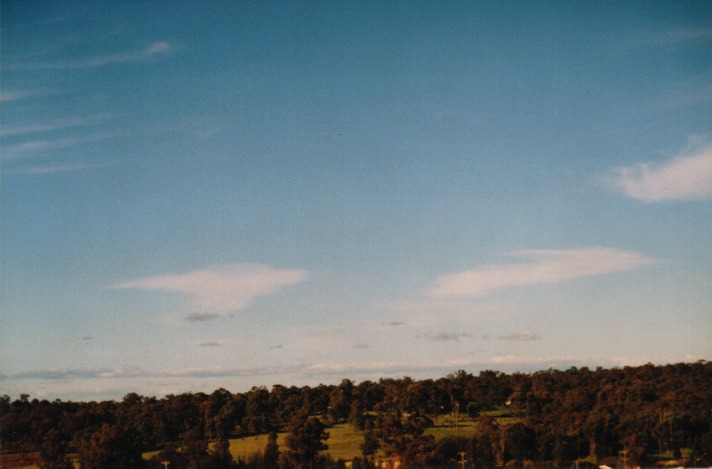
(33, 147)
(221, 289)
(18, 150)
(685, 177)
(690, 94)
(7, 96)
(678, 36)
(51, 125)
(156, 49)
(10, 96)
(29, 141)
(56, 168)
(543, 266)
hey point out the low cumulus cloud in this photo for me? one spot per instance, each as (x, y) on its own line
(107, 383)
(395, 323)
(525, 335)
(544, 266)
(80, 373)
(210, 343)
(507, 363)
(685, 177)
(197, 316)
(221, 289)
(439, 335)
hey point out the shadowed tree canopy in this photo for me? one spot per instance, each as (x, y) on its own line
(305, 440)
(549, 416)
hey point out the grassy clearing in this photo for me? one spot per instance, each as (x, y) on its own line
(445, 427)
(243, 448)
(345, 442)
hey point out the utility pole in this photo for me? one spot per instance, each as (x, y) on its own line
(462, 459)
(455, 410)
(624, 453)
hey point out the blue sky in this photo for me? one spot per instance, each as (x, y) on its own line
(233, 194)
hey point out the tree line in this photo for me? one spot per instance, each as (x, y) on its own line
(554, 417)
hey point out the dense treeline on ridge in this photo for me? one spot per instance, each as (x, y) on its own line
(643, 414)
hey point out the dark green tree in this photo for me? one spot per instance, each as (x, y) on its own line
(195, 448)
(519, 442)
(54, 449)
(109, 447)
(403, 437)
(305, 440)
(488, 447)
(370, 444)
(270, 457)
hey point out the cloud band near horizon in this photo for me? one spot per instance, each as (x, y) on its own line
(542, 267)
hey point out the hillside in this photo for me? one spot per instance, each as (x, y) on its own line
(647, 414)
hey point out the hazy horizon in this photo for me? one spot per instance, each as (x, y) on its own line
(239, 194)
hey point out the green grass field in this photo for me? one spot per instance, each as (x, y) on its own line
(344, 441)
(445, 427)
(242, 448)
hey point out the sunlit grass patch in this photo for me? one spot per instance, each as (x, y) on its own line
(244, 447)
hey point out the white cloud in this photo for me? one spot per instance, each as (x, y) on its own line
(682, 178)
(543, 267)
(221, 289)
